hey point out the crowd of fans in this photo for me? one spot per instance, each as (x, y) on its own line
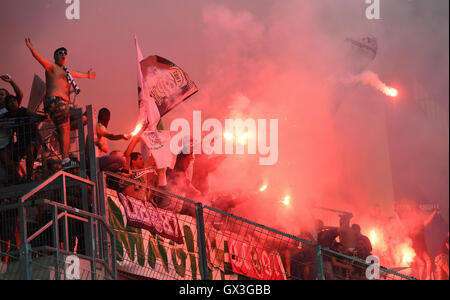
(342, 244)
(346, 239)
(21, 144)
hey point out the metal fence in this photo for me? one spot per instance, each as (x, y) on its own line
(54, 221)
(57, 225)
(30, 148)
(51, 222)
(151, 242)
(163, 236)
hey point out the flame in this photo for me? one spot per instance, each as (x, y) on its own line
(407, 253)
(373, 237)
(137, 129)
(376, 236)
(286, 200)
(228, 136)
(407, 258)
(243, 138)
(263, 188)
(390, 91)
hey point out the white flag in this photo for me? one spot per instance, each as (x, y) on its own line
(158, 143)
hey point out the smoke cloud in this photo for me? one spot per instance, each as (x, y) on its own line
(342, 146)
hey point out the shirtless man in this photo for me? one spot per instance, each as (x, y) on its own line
(412, 222)
(101, 135)
(56, 103)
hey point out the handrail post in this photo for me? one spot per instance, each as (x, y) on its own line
(319, 262)
(103, 243)
(201, 242)
(113, 256)
(25, 248)
(56, 241)
(65, 222)
(92, 249)
(81, 142)
(91, 146)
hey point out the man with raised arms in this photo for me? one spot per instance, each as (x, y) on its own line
(59, 81)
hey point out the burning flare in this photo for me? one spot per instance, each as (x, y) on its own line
(243, 138)
(263, 188)
(228, 136)
(390, 91)
(240, 139)
(373, 237)
(286, 200)
(372, 79)
(137, 129)
(407, 254)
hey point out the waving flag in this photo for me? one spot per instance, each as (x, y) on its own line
(148, 111)
(166, 83)
(162, 85)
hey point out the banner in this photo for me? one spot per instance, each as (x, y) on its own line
(254, 261)
(144, 215)
(141, 252)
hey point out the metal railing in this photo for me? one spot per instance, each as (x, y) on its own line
(342, 266)
(61, 217)
(202, 242)
(30, 150)
(55, 221)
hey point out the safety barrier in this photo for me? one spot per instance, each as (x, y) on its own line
(30, 149)
(53, 223)
(163, 236)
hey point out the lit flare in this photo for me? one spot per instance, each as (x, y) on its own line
(137, 129)
(286, 201)
(243, 138)
(390, 91)
(408, 257)
(228, 136)
(407, 254)
(373, 236)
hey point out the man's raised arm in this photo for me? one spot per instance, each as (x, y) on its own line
(134, 140)
(16, 88)
(48, 65)
(89, 75)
